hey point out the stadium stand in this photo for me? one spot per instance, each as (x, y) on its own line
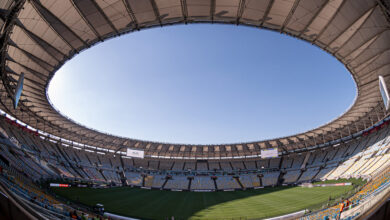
(201, 165)
(202, 183)
(227, 183)
(39, 158)
(33, 203)
(177, 183)
(360, 202)
(158, 181)
(358, 159)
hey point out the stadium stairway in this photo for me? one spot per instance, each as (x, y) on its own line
(189, 182)
(305, 160)
(165, 182)
(173, 164)
(122, 177)
(318, 172)
(143, 180)
(280, 163)
(239, 182)
(121, 160)
(300, 174)
(104, 177)
(86, 174)
(260, 181)
(89, 160)
(280, 178)
(215, 184)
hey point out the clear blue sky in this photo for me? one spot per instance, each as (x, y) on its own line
(203, 84)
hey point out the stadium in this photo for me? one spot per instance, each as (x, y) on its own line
(52, 167)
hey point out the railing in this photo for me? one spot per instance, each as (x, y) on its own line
(368, 203)
(362, 201)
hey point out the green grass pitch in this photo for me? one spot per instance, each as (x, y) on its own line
(249, 204)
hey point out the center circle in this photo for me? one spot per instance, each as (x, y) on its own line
(202, 84)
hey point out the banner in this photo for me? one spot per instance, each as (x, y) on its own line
(269, 153)
(310, 185)
(135, 153)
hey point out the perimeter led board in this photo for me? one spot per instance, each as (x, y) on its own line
(18, 90)
(384, 92)
(135, 153)
(59, 185)
(269, 153)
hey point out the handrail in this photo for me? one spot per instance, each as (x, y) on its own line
(365, 199)
(27, 210)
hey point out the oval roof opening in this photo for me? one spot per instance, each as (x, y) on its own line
(203, 84)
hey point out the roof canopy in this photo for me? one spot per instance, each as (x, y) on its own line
(38, 36)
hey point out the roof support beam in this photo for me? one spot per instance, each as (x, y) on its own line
(48, 15)
(40, 107)
(82, 15)
(290, 14)
(329, 22)
(156, 12)
(385, 7)
(35, 73)
(32, 92)
(370, 11)
(313, 18)
(42, 63)
(52, 51)
(131, 13)
(368, 97)
(240, 11)
(5, 33)
(32, 89)
(184, 10)
(212, 10)
(37, 90)
(104, 16)
(10, 71)
(377, 114)
(372, 38)
(265, 16)
(369, 74)
(366, 60)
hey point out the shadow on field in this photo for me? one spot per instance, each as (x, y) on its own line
(157, 204)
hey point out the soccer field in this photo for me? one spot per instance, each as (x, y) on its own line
(250, 204)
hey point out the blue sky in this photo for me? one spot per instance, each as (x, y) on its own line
(203, 84)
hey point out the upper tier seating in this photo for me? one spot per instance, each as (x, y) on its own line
(39, 158)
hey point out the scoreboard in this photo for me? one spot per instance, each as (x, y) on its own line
(384, 92)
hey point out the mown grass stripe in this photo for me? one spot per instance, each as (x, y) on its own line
(156, 204)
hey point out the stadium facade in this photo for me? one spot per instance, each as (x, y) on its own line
(39, 36)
